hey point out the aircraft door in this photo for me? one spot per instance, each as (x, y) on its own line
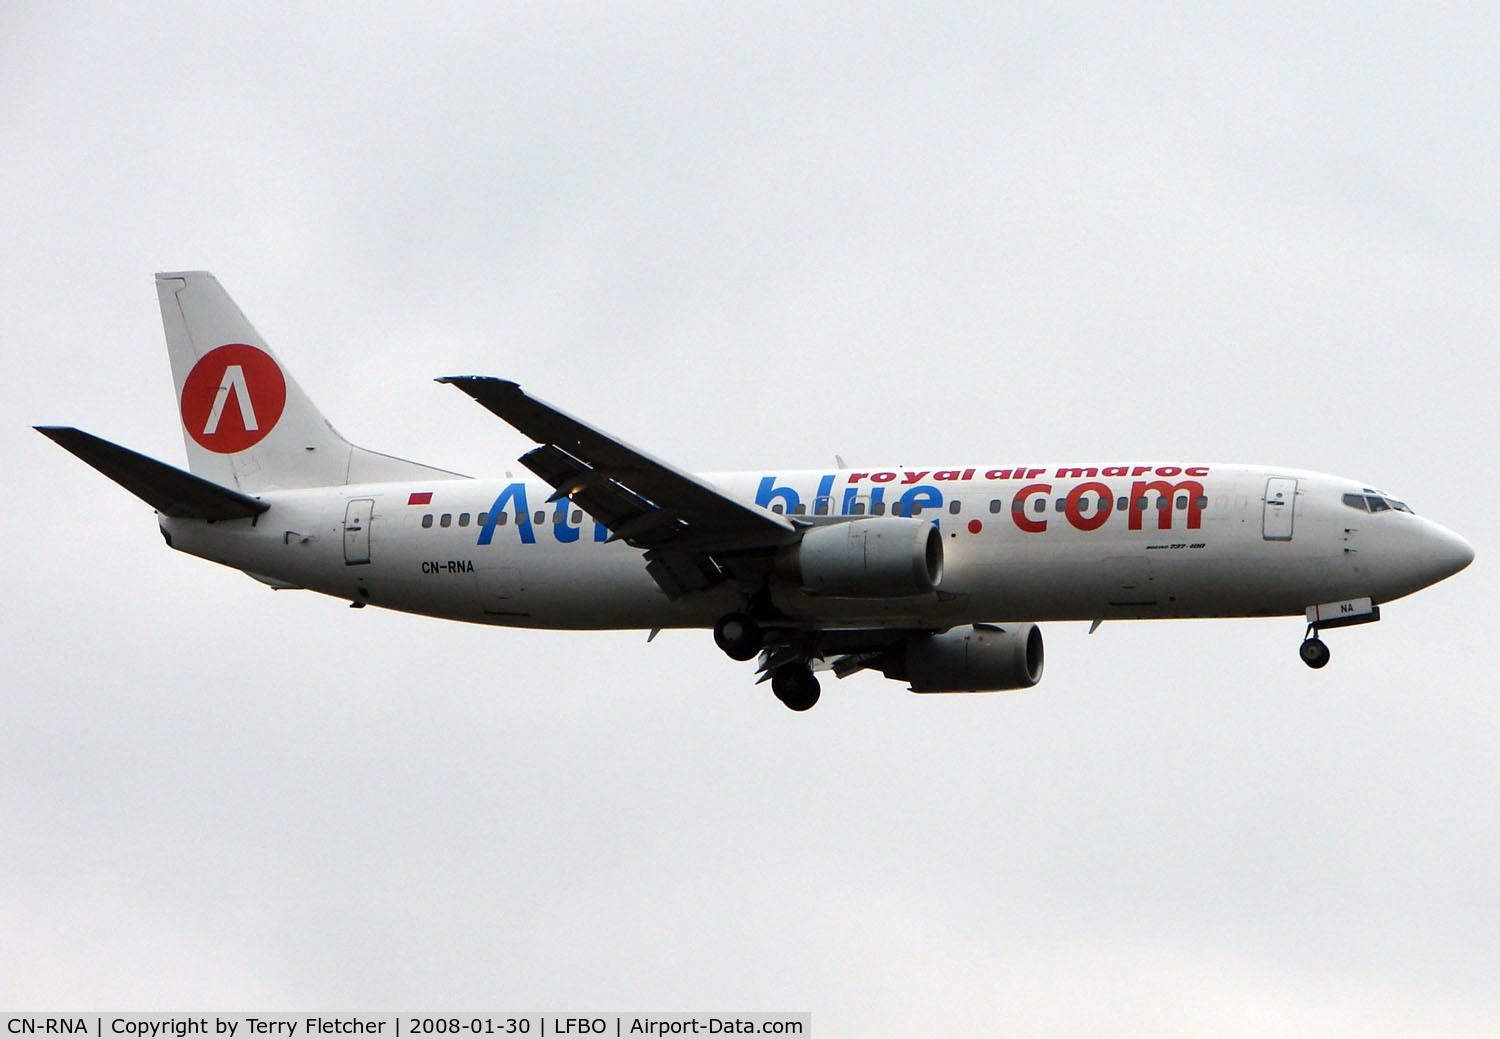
(1281, 504)
(357, 519)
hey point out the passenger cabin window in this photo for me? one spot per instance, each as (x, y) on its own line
(484, 519)
(777, 508)
(877, 508)
(427, 520)
(995, 505)
(857, 509)
(954, 506)
(577, 517)
(463, 519)
(540, 519)
(447, 520)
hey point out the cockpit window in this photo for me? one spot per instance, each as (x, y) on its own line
(1371, 502)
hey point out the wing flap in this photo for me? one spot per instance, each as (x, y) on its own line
(644, 500)
(165, 488)
(602, 498)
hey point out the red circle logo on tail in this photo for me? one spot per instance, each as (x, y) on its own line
(232, 398)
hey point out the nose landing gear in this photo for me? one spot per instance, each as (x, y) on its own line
(1314, 651)
(1338, 614)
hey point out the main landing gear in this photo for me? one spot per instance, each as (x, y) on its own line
(793, 682)
(796, 686)
(738, 636)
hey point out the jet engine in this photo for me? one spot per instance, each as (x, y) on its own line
(983, 658)
(877, 557)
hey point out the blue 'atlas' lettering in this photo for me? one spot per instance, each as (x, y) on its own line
(516, 492)
(560, 528)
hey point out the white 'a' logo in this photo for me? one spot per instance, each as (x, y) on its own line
(233, 382)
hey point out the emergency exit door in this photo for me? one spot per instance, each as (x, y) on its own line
(357, 530)
(1281, 504)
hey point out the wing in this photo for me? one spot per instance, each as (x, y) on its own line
(692, 532)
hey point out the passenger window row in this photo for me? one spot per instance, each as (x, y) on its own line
(858, 508)
(501, 519)
(955, 508)
(1099, 504)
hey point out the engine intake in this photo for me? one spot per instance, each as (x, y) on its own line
(984, 658)
(875, 558)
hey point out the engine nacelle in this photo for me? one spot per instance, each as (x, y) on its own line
(874, 558)
(984, 658)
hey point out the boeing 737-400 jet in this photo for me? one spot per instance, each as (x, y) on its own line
(931, 576)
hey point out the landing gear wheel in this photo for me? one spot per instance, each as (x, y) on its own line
(1314, 653)
(738, 636)
(796, 686)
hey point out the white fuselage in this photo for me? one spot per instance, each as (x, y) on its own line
(1034, 543)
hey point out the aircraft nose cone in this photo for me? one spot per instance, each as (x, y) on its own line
(1444, 553)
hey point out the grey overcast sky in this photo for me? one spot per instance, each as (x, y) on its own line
(748, 237)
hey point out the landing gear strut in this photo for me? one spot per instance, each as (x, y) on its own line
(796, 686)
(738, 636)
(1314, 652)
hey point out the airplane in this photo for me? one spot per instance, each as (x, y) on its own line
(937, 577)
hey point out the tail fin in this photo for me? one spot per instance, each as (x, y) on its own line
(246, 422)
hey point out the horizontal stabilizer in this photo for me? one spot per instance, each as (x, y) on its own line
(169, 490)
